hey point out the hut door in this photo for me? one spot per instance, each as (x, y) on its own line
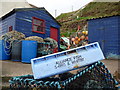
(101, 37)
(54, 35)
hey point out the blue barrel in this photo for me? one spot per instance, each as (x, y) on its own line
(4, 50)
(29, 50)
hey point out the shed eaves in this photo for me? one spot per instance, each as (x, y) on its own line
(26, 9)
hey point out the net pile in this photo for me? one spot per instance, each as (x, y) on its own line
(95, 76)
(44, 48)
(13, 35)
(52, 41)
(35, 38)
(9, 38)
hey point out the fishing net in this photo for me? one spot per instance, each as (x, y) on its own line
(13, 35)
(95, 76)
(52, 41)
(9, 38)
(44, 48)
(35, 38)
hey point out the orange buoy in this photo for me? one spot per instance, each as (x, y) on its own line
(73, 39)
(82, 37)
(83, 32)
(79, 39)
(76, 42)
(86, 32)
(76, 38)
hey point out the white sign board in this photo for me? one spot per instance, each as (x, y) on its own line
(65, 61)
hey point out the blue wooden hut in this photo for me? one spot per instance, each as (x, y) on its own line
(31, 22)
(106, 31)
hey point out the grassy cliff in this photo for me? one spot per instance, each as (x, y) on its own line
(71, 20)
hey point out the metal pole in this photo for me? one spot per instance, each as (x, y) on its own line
(72, 8)
(55, 13)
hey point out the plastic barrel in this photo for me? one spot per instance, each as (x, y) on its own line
(16, 51)
(4, 50)
(29, 50)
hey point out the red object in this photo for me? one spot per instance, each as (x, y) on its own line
(54, 35)
(78, 27)
(55, 50)
(38, 25)
(76, 38)
(86, 38)
(10, 28)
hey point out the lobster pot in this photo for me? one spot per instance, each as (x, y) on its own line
(5, 48)
(16, 51)
(29, 50)
(95, 76)
(44, 48)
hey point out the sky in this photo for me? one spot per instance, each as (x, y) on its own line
(56, 7)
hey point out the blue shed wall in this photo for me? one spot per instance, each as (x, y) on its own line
(6, 23)
(24, 23)
(106, 32)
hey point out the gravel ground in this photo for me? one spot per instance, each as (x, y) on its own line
(112, 65)
(10, 68)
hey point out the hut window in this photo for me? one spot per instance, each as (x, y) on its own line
(10, 28)
(38, 25)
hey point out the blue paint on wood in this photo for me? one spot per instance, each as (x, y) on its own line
(23, 18)
(106, 32)
(6, 23)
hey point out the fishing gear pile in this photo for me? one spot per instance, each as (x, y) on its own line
(95, 76)
(52, 41)
(12, 36)
(35, 38)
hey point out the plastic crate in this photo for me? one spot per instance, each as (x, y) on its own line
(61, 62)
(95, 76)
